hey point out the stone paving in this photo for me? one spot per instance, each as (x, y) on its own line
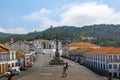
(51, 76)
(54, 72)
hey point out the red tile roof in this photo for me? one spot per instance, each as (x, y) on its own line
(5, 47)
(80, 50)
(20, 53)
(105, 50)
(81, 44)
(41, 40)
(3, 50)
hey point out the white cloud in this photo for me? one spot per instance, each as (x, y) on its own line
(2, 30)
(15, 30)
(87, 13)
(37, 15)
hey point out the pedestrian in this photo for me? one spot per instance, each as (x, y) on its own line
(65, 67)
(9, 76)
(109, 76)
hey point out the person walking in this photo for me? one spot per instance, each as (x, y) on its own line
(65, 67)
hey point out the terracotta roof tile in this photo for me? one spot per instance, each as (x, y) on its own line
(3, 50)
(20, 53)
(45, 40)
(6, 47)
(83, 44)
(80, 50)
(29, 43)
(105, 50)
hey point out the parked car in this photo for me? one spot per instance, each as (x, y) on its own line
(23, 69)
(16, 70)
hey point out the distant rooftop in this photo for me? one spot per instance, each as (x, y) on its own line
(82, 44)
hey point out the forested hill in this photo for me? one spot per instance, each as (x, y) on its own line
(106, 35)
(3, 36)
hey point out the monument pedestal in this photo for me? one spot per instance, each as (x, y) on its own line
(56, 61)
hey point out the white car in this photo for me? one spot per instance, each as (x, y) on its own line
(7, 73)
(16, 70)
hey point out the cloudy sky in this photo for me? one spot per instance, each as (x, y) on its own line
(23, 16)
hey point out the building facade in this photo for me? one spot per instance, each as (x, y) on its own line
(27, 47)
(3, 60)
(21, 58)
(105, 60)
(77, 48)
(7, 58)
(47, 46)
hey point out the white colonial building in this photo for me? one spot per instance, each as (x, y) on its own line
(3, 60)
(104, 60)
(47, 46)
(27, 48)
(69, 49)
(7, 58)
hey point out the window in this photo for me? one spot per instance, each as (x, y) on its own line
(110, 66)
(101, 57)
(115, 58)
(119, 66)
(16, 64)
(104, 58)
(98, 57)
(12, 56)
(110, 58)
(119, 57)
(115, 66)
(12, 64)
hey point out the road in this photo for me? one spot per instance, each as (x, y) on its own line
(41, 70)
